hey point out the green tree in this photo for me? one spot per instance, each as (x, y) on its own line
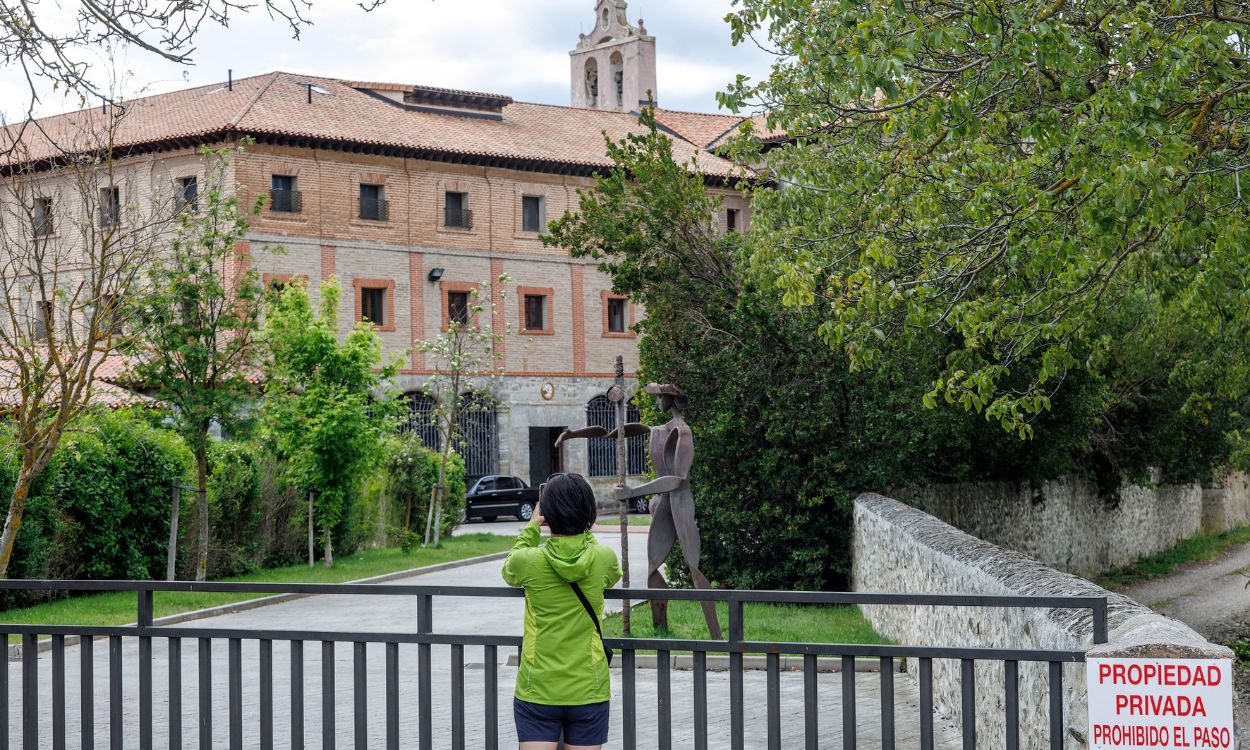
(318, 412)
(72, 250)
(785, 434)
(1017, 177)
(467, 361)
(198, 324)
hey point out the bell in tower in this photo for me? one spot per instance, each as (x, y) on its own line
(613, 67)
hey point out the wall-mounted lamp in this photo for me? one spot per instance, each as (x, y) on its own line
(435, 274)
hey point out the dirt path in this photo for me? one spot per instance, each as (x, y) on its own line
(1211, 597)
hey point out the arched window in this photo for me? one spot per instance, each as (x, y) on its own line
(592, 83)
(421, 418)
(600, 412)
(618, 79)
(477, 440)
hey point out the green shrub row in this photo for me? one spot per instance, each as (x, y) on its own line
(101, 509)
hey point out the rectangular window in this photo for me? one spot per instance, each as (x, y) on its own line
(110, 206)
(42, 324)
(617, 315)
(731, 219)
(41, 217)
(109, 315)
(373, 204)
(456, 211)
(188, 193)
(373, 305)
(535, 312)
(458, 308)
(284, 196)
(532, 219)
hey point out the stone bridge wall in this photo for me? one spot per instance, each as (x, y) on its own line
(1066, 525)
(898, 548)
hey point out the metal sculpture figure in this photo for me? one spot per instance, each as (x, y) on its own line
(672, 507)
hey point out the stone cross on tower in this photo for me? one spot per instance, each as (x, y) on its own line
(613, 67)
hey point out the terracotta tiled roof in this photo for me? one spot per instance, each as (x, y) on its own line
(276, 105)
(699, 128)
(762, 131)
(105, 391)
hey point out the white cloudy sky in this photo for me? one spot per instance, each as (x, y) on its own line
(513, 47)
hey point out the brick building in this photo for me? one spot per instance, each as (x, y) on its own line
(411, 194)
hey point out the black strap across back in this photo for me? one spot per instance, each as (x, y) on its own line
(581, 597)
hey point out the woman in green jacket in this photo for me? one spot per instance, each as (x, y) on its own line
(562, 686)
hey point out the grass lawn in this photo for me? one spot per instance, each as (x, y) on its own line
(634, 519)
(762, 622)
(1194, 549)
(118, 608)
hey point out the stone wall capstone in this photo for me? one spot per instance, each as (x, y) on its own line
(898, 548)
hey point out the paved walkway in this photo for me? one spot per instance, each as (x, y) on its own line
(460, 615)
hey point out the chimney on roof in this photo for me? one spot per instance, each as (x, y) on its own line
(230, 79)
(309, 87)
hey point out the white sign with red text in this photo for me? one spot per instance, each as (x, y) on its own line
(1153, 703)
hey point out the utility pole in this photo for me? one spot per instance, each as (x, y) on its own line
(617, 396)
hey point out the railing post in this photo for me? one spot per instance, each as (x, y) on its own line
(144, 620)
(1100, 621)
(425, 697)
(736, 724)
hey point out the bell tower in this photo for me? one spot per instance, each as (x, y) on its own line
(613, 67)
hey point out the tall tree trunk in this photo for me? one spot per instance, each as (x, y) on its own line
(436, 497)
(429, 516)
(329, 543)
(201, 484)
(13, 521)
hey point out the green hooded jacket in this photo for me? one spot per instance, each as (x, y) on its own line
(562, 659)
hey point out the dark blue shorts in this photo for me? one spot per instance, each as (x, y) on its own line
(582, 725)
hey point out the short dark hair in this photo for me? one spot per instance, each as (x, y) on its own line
(568, 504)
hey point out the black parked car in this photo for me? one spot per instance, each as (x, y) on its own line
(494, 496)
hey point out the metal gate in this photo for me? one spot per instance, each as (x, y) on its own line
(255, 688)
(477, 436)
(421, 418)
(601, 452)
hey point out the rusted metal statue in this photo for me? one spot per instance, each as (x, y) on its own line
(672, 507)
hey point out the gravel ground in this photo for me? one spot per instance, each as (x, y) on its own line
(1211, 597)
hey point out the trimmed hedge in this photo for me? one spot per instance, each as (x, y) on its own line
(101, 508)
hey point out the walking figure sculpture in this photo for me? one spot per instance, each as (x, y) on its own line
(672, 509)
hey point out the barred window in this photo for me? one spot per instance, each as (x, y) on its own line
(600, 412)
(422, 419)
(477, 439)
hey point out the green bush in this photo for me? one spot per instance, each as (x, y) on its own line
(101, 508)
(411, 472)
(234, 508)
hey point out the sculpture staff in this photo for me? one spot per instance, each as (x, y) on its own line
(672, 452)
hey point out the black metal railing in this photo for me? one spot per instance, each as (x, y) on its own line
(458, 217)
(286, 201)
(262, 685)
(375, 209)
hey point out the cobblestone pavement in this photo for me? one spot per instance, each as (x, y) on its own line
(460, 615)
